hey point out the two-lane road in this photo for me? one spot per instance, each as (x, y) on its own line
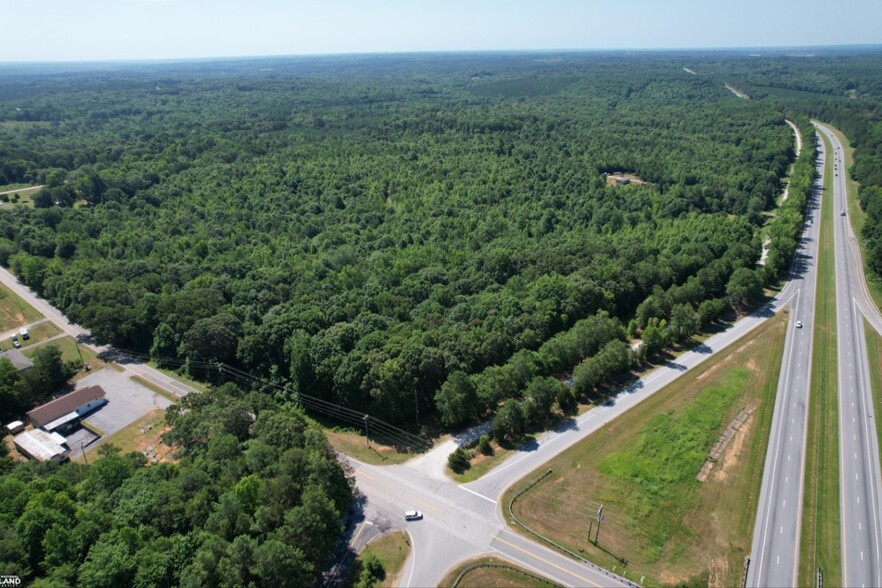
(77, 332)
(859, 474)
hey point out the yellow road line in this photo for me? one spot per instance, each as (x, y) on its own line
(358, 533)
(427, 506)
(533, 555)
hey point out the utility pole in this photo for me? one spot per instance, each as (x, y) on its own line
(367, 429)
(416, 406)
(599, 519)
(77, 345)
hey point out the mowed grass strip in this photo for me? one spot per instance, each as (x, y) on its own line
(661, 525)
(392, 550)
(511, 576)
(15, 312)
(380, 451)
(874, 356)
(820, 541)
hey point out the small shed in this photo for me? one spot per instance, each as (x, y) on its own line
(15, 427)
(623, 181)
(42, 446)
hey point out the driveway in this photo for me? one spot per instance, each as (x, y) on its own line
(127, 401)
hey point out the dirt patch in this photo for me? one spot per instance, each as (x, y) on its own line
(735, 450)
(621, 179)
(150, 444)
(725, 439)
(718, 569)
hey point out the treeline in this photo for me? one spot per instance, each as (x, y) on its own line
(256, 500)
(841, 87)
(787, 227)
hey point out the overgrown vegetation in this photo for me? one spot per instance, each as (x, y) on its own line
(255, 500)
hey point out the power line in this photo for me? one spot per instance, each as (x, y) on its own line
(379, 427)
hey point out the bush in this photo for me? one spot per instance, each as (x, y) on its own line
(484, 445)
(459, 460)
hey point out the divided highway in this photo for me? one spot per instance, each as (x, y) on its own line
(859, 473)
(775, 550)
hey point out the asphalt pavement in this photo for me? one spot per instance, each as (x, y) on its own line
(859, 474)
(775, 550)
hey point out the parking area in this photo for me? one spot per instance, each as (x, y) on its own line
(127, 401)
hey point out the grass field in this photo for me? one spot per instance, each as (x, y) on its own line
(161, 391)
(856, 216)
(15, 312)
(22, 195)
(200, 386)
(355, 445)
(663, 526)
(137, 436)
(392, 550)
(819, 544)
(36, 334)
(68, 348)
(874, 356)
(496, 577)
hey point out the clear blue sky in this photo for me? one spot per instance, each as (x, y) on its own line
(65, 30)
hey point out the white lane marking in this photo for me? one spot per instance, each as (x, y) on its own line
(858, 499)
(778, 561)
(469, 490)
(412, 559)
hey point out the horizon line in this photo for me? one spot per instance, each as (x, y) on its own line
(146, 60)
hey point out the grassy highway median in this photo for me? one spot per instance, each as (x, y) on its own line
(820, 542)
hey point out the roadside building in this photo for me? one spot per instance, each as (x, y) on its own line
(15, 427)
(41, 445)
(65, 412)
(18, 359)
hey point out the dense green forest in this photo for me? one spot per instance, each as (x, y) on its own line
(361, 229)
(256, 500)
(395, 234)
(842, 87)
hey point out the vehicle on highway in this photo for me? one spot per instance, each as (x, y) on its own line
(413, 515)
(842, 212)
(15, 342)
(798, 324)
